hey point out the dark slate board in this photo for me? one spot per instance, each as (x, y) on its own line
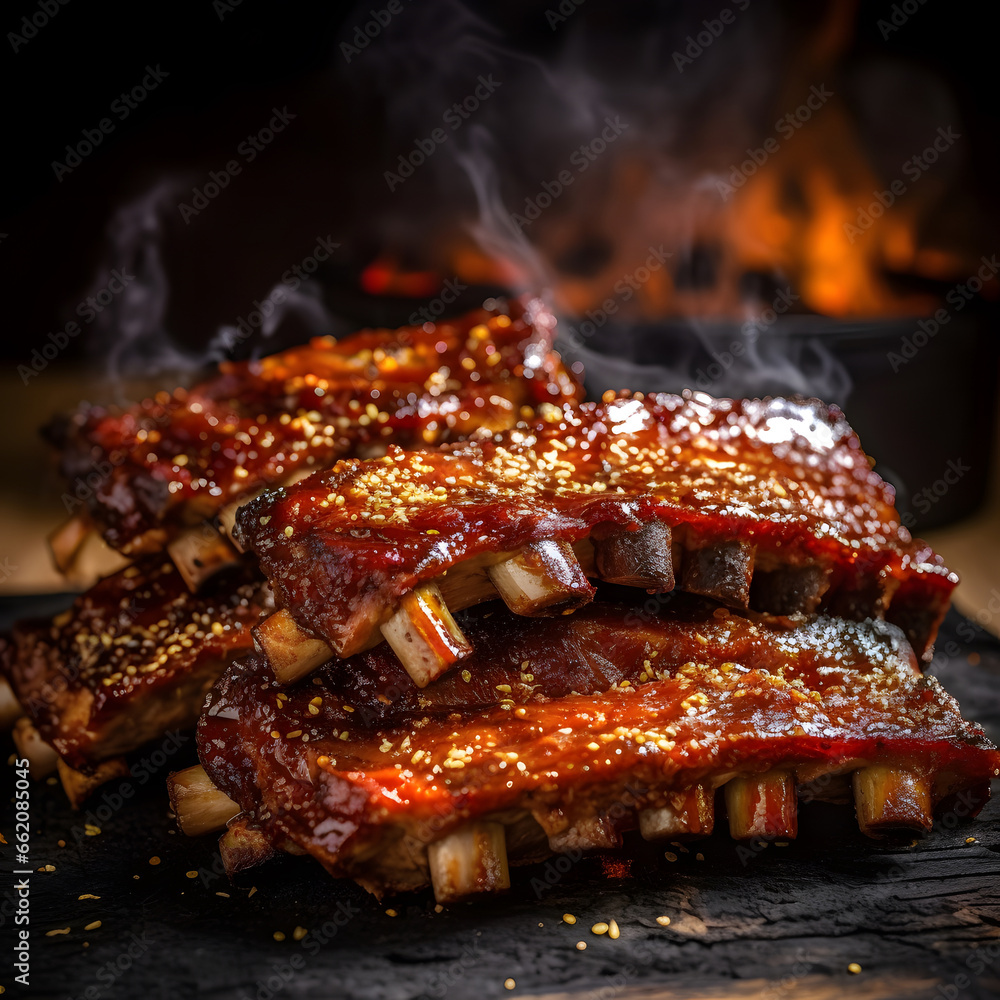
(782, 922)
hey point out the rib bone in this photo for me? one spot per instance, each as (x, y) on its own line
(470, 860)
(42, 758)
(199, 806)
(291, 652)
(639, 558)
(10, 707)
(199, 553)
(722, 570)
(762, 806)
(67, 540)
(588, 834)
(242, 847)
(689, 814)
(424, 635)
(888, 799)
(544, 578)
(79, 786)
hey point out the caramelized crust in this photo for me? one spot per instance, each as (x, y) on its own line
(564, 728)
(131, 659)
(778, 486)
(177, 458)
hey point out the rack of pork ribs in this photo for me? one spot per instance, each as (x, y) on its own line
(769, 505)
(135, 654)
(166, 466)
(782, 655)
(562, 733)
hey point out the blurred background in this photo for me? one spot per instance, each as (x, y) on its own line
(742, 197)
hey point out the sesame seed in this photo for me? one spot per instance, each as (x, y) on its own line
(663, 921)
(509, 984)
(93, 926)
(279, 936)
(568, 918)
(581, 945)
(613, 932)
(854, 968)
(599, 928)
(191, 874)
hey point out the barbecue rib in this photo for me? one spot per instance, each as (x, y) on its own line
(131, 659)
(768, 504)
(175, 460)
(562, 733)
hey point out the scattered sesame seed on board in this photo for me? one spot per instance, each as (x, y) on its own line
(599, 928)
(670, 856)
(391, 913)
(154, 860)
(191, 874)
(581, 945)
(251, 892)
(854, 968)
(663, 921)
(568, 918)
(279, 935)
(971, 840)
(93, 925)
(299, 933)
(58, 930)
(88, 895)
(613, 932)
(509, 984)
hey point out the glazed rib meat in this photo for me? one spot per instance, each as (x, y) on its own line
(562, 733)
(175, 460)
(768, 504)
(131, 659)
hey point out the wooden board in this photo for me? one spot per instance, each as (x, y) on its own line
(774, 923)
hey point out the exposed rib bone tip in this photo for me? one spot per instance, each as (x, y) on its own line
(67, 540)
(687, 814)
(762, 806)
(470, 860)
(722, 570)
(640, 558)
(544, 578)
(10, 707)
(42, 758)
(888, 799)
(424, 635)
(291, 652)
(200, 807)
(79, 786)
(593, 833)
(199, 553)
(242, 847)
